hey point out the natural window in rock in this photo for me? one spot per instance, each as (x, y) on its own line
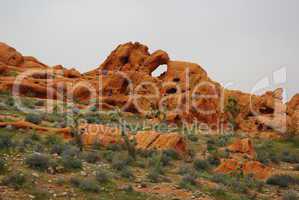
(266, 110)
(159, 71)
(171, 91)
(176, 80)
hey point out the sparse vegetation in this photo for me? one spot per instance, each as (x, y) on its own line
(201, 165)
(71, 163)
(290, 195)
(33, 118)
(91, 157)
(86, 185)
(38, 161)
(102, 176)
(15, 180)
(188, 182)
(282, 180)
(2, 166)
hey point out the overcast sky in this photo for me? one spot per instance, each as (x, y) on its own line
(238, 42)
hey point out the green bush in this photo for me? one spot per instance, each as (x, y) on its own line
(282, 180)
(38, 148)
(71, 163)
(170, 153)
(58, 149)
(86, 185)
(108, 155)
(286, 156)
(154, 175)
(146, 153)
(38, 161)
(102, 176)
(290, 195)
(126, 173)
(40, 194)
(192, 137)
(15, 180)
(91, 157)
(35, 137)
(2, 166)
(185, 169)
(188, 182)
(71, 151)
(201, 165)
(6, 141)
(53, 140)
(213, 160)
(33, 118)
(120, 161)
(115, 147)
(10, 101)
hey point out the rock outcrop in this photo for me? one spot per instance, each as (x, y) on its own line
(184, 92)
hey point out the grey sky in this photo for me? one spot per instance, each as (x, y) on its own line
(236, 41)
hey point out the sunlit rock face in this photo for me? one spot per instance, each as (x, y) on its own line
(184, 92)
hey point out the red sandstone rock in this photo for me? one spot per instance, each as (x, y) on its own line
(242, 146)
(185, 91)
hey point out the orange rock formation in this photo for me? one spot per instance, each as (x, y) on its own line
(183, 92)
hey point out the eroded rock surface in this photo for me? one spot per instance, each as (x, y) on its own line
(184, 92)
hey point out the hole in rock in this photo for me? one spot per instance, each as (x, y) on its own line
(171, 91)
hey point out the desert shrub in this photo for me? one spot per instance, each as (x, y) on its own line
(40, 103)
(10, 101)
(15, 180)
(115, 147)
(38, 161)
(58, 148)
(213, 160)
(170, 153)
(38, 148)
(91, 157)
(265, 153)
(102, 176)
(93, 119)
(60, 181)
(185, 169)
(2, 166)
(153, 176)
(282, 180)
(140, 163)
(33, 118)
(6, 141)
(97, 145)
(52, 117)
(71, 163)
(201, 165)
(86, 185)
(40, 194)
(165, 159)
(126, 173)
(286, 156)
(220, 141)
(290, 195)
(188, 182)
(108, 155)
(71, 151)
(35, 137)
(192, 137)
(53, 139)
(118, 163)
(145, 153)
(29, 103)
